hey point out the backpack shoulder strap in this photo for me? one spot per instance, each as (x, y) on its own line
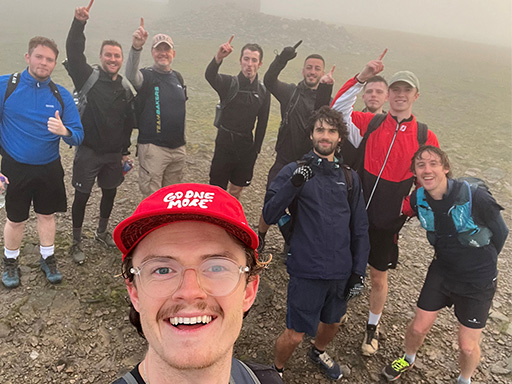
(347, 171)
(375, 123)
(422, 133)
(128, 88)
(91, 80)
(232, 92)
(129, 378)
(57, 95)
(242, 374)
(14, 79)
(180, 78)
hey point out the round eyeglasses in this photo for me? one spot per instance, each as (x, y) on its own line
(162, 276)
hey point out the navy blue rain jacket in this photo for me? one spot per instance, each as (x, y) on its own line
(330, 237)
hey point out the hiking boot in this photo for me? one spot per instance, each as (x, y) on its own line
(393, 371)
(76, 253)
(49, 267)
(10, 277)
(105, 238)
(330, 368)
(370, 344)
(261, 244)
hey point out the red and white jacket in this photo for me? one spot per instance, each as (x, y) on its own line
(385, 209)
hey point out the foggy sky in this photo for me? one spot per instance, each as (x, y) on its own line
(487, 22)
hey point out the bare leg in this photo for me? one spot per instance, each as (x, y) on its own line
(286, 343)
(418, 329)
(262, 226)
(325, 334)
(13, 233)
(46, 229)
(235, 190)
(469, 345)
(379, 291)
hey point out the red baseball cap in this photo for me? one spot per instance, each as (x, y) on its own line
(184, 202)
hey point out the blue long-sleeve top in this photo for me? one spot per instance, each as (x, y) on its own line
(330, 236)
(24, 118)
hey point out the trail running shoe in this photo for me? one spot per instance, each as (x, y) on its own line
(330, 368)
(393, 371)
(76, 253)
(105, 238)
(49, 267)
(10, 277)
(370, 344)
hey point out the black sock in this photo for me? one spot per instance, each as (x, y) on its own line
(77, 235)
(280, 370)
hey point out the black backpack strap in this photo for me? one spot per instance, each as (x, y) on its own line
(14, 79)
(182, 83)
(347, 171)
(375, 123)
(57, 95)
(422, 133)
(291, 106)
(232, 92)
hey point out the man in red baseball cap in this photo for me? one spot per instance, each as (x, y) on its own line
(192, 272)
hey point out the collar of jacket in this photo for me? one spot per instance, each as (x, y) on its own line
(244, 82)
(26, 76)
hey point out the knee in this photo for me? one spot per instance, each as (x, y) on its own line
(418, 330)
(379, 281)
(469, 348)
(15, 225)
(293, 337)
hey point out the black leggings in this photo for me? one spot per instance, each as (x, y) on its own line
(80, 202)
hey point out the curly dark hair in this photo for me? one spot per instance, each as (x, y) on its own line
(331, 117)
(255, 268)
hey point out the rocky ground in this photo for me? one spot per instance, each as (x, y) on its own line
(78, 331)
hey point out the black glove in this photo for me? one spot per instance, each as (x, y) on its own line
(301, 175)
(354, 286)
(287, 54)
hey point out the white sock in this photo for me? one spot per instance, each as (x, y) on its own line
(462, 380)
(373, 319)
(410, 358)
(11, 254)
(46, 251)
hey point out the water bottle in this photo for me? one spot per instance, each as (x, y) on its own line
(2, 192)
(127, 166)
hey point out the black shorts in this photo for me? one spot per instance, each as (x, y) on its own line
(274, 170)
(310, 301)
(41, 185)
(231, 163)
(88, 165)
(383, 249)
(471, 301)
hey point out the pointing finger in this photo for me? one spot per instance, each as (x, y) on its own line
(297, 44)
(142, 22)
(90, 5)
(332, 70)
(382, 54)
(231, 39)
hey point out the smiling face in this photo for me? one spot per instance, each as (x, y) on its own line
(163, 55)
(218, 320)
(313, 71)
(325, 138)
(402, 96)
(41, 62)
(431, 174)
(111, 59)
(250, 62)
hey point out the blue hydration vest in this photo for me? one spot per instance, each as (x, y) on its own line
(468, 233)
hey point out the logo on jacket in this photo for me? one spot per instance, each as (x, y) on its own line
(403, 128)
